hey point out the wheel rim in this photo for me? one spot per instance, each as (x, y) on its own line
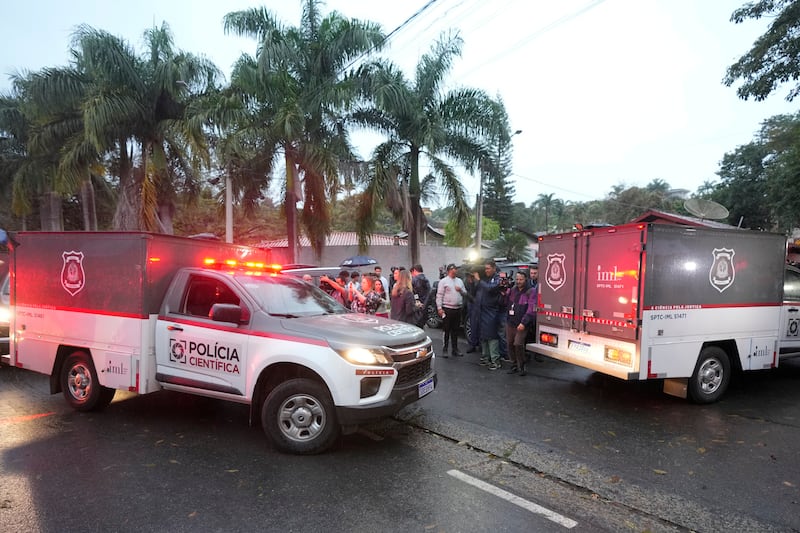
(710, 376)
(301, 418)
(80, 382)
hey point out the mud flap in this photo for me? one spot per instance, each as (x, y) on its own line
(676, 387)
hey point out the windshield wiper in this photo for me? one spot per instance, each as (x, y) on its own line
(284, 315)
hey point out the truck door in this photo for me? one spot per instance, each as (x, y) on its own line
(610, 297)
(790, 312)
(557, 287)
(195, 351)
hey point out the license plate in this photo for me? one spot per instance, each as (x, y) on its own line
(425, 387)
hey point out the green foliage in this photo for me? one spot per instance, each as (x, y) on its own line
(774, 58)
(512, 245)
(454, 237)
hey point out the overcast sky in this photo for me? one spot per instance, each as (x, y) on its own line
(604, 91)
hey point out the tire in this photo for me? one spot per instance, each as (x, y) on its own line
(433, 320)
(711, 376)
(80, 385)
(299, 417)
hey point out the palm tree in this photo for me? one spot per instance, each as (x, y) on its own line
(421, 118)
(132, 114)
(298, 87)
(27, 170)
(545, 201)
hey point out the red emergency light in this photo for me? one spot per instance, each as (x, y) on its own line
(211, 262)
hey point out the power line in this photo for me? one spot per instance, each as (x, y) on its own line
(391, 34)
(538, 33)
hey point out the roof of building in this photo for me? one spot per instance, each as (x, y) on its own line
(654, 215)
(337, 238)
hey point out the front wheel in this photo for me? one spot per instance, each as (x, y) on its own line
(299, 417)
(80, 385)
(433, 320)
(711, 375)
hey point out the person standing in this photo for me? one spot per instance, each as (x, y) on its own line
(473, 310)
(422, 288)
(383, 308)
(366, 301)
(449, 301)
(402, 306)
(488, 300)
(337, 289)
(521, 315)
(379, 275)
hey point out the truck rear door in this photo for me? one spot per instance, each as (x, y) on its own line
(610, 295)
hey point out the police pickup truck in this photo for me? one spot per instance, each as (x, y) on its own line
(143, 312)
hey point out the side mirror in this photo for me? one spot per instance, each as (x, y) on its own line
(226, 313)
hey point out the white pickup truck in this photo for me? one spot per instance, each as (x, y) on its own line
(144, 312)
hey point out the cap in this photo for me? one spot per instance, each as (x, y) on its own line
(451, 266)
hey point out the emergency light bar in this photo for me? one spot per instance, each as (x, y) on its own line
(233, 263)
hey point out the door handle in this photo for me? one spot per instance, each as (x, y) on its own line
(174, 328)
(792, 309)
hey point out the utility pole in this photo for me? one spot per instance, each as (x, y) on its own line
(479, 201)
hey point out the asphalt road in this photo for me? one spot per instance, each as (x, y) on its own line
(729, 466)
(604, 454)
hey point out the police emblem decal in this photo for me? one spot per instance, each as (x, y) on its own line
(722, 271)
(555, 276)
(73, 277)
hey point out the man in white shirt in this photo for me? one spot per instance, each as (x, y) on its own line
(449, 301)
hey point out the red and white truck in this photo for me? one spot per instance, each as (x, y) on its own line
(142, 312)
(688, 305)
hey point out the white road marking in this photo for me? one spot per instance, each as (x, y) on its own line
(516, 500)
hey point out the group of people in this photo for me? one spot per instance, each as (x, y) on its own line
(371, 294)
(502, 311)
(499, 310)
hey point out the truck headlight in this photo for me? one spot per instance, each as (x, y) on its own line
(364, 356)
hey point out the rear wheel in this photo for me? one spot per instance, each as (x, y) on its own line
(80, 385)
(299, 417)
(711, 375)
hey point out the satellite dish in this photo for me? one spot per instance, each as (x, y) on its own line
(705, 208)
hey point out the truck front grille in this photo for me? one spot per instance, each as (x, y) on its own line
(414, 372)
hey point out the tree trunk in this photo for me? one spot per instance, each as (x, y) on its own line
(50, 212)
(290, 205)
(126, 215)
(88, 206)
(413, 200)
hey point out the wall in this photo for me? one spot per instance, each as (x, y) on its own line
(431, 257)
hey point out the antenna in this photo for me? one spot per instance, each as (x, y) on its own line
(705, 209)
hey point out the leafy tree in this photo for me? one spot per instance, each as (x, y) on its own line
(743, 186)
(132, 110)
(774, 58)
(491, 231)
(498, 192)
(300, 86)
(422, 120)
(512, 245)
(545, 203)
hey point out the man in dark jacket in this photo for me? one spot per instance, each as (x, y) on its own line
(521, 316)
(488, 300)
(422, 287)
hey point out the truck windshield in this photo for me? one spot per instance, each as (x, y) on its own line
(288, 297)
